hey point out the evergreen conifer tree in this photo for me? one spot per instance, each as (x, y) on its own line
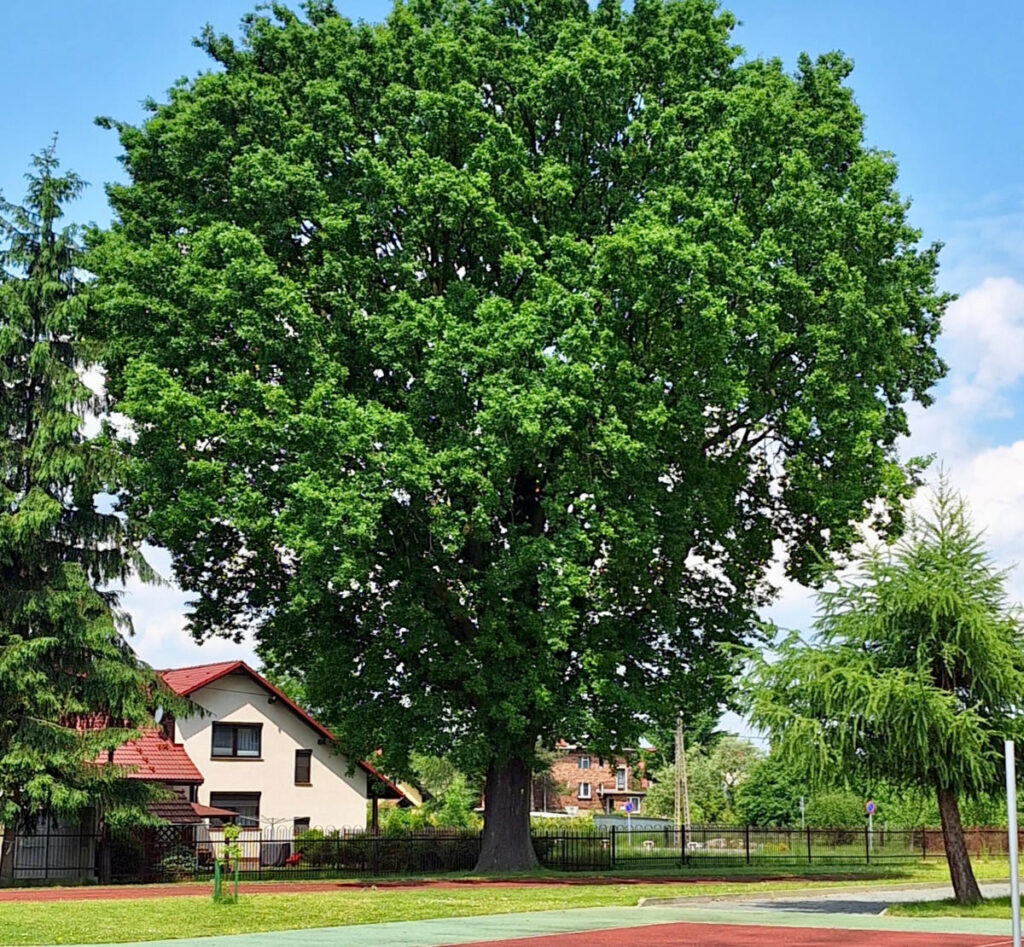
(70, 687)
(916, 675)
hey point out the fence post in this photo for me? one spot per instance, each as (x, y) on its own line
(746, 839)
(924, 843)
(808, 845)
(867, 845)
(611, 863)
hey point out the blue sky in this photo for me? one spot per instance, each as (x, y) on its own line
(939, 83)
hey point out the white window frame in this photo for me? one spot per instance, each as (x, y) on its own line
(621, 778)
(584, 762)
(583, 791)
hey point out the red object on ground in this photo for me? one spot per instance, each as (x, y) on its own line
(196, 889)
(742, 935)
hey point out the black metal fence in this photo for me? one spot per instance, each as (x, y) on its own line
(731, 846)
(55, 857)
(178, 853)
(188, 853)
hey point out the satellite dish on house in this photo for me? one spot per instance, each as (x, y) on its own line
(158, 714)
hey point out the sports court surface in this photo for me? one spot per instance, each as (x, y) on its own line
(706, 926)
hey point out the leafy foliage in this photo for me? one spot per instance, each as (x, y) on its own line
(770, 795)
(478, 360)
(65, 670)
(715, 775)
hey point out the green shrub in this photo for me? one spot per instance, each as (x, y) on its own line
(574, 825)
(179, 864)
(317, 850)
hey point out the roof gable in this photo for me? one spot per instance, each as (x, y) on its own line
(186, 681)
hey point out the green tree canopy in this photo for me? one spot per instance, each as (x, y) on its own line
(65, 671)
(770, 795)
(916, 674)
(479, 360)
(715, 774)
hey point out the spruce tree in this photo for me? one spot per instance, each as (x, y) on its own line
(65, 670)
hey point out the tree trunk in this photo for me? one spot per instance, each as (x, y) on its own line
(961, 874)
(507, 845)
(7, 849)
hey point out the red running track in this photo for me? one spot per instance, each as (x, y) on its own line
(203, 888)
(736, 935)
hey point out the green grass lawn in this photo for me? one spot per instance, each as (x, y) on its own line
(115, 921)
(993, 907)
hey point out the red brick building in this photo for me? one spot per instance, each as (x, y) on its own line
(581, 781)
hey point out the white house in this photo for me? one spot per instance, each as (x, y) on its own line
(251, 755)
(263, 756)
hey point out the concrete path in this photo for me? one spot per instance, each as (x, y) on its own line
(846, 901)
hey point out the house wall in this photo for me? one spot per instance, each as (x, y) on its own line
(566, 775)
(334, 798)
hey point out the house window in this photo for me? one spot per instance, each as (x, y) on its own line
(636, 803)
(584, 762)
(584, 791)
(236, 740)
(300, 825)
(620, 778)
(246, 804)
(302, 764)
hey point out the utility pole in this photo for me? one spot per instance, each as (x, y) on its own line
(682, 795)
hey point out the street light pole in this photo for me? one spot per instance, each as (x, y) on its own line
(1011, 828)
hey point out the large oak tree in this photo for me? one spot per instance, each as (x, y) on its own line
(481, 360)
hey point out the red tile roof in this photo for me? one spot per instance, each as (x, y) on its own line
(183, 681)
(155, 758)
(186, 681)
(175, 812)
(212, 812)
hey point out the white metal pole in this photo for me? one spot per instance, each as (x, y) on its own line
(1011, 828)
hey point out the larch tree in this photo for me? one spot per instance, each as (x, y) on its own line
(916, 675)
(480, 360)
(65, 670)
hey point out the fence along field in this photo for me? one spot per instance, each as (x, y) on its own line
(179, 853)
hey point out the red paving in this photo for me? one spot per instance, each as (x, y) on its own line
(202, 889)
(734, 935)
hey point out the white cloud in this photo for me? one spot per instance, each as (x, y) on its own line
(158, 613)
(983, 344)
(983, 333)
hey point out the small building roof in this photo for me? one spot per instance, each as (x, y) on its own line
(212, 812)
(155, 758)
(175, 812)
